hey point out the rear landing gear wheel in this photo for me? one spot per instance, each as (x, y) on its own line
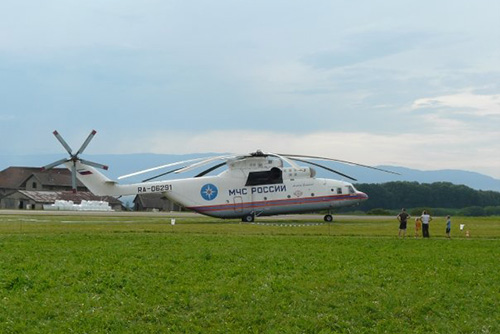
(248, 218)
(328, 218)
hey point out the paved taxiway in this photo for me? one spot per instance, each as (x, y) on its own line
(177, 215)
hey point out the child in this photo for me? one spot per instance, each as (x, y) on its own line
(448, 226)
(418, 226)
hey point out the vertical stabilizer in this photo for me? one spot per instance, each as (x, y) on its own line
(95, 181)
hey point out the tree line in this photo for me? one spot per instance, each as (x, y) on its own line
(438, 195)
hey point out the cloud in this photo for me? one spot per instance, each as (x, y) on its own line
(363, 47)
(366, 83)
(463, 103)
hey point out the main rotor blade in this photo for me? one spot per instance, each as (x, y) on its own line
(159, 167)
(94, 164)
(63, 142)
(56, 163)
(324, 167)
(86, 142)
(162, 174)
(338, 160)
(211, 169)
(203, 163)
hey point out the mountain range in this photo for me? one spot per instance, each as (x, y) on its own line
(128, 163)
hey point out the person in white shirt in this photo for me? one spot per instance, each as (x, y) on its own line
(426, 218)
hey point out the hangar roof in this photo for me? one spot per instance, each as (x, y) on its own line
(14, 177)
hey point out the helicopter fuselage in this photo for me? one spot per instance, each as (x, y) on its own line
(257, 187)
(224, 197)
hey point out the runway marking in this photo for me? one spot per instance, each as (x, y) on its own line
(289, 224)
(101, 221)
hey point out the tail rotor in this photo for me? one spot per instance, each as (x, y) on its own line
(73, 158)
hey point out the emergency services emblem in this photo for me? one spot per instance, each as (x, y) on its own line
(209, 192)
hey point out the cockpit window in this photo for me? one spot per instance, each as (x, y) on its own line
(351, 189)
(273, 176)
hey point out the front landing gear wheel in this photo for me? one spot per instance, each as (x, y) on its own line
(247, 218)
(328, 218)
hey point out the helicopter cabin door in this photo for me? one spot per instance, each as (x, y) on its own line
(238, 204)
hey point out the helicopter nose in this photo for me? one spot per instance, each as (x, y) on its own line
(362, 195)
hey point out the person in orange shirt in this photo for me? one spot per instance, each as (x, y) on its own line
(418, 226)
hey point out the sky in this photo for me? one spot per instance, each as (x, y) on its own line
(405, 83)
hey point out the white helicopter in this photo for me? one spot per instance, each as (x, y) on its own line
(255, 184)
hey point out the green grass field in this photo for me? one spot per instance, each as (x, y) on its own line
(140, 274)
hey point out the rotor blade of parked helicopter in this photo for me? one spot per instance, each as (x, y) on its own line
(338, 160)
(86, 142)
(56, 163)
(158, 167)
(94, 164)
(324, 167)
(63, 142)
(162, 174)
(211, 169)
(203, 163)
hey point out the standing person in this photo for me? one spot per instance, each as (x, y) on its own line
(448, 226)
(426, 219)
(403, 219)
(418, 226)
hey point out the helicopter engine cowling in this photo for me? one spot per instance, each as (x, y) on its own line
(299, 173)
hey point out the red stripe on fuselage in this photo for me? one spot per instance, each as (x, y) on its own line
(273, 203)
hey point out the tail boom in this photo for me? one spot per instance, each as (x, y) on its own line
(98, 183)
